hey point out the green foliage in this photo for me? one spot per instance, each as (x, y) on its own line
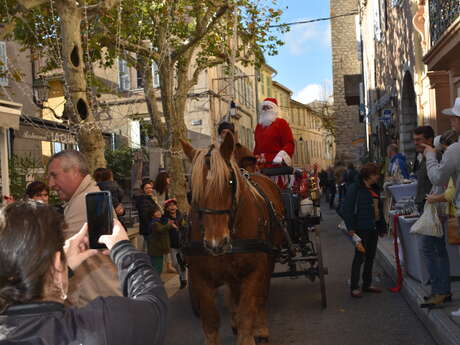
(120, 162)
(25, 169)
(22, 170)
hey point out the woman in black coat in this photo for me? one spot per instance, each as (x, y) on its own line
(34, 281)
(363, 215)
(145, 205)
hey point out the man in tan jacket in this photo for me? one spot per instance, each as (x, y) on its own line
(68, 174)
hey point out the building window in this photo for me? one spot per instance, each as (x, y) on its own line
(123, 74)
(155, 75)
(57, 147)
(3, 65)
(140, 79)
(377, 20)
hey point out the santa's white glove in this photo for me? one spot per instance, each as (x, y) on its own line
(282, 156)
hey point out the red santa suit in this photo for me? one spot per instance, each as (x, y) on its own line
(273, 136)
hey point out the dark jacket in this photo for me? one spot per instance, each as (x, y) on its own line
(358, 209)
(158, 239)
(175, 234)
(423, 183)
(114, 189)
(350, 176)
(137, 320)
(145, 206)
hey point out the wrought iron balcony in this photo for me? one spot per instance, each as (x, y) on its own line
(442, 14)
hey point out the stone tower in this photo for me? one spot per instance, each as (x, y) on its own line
(346, 65)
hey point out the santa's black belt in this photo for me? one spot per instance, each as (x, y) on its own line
(282, 170)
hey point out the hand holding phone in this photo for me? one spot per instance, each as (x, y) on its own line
(118, 234)
(76, 248)
(99, 214)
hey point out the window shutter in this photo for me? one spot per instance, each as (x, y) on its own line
(3, 64)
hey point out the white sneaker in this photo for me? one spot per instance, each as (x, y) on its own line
(456, 313)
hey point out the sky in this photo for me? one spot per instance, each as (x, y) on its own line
(304, 61)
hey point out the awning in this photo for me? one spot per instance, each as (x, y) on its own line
(9, 114)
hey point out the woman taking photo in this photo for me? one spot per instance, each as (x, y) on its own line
(362, 212)
(34, 265)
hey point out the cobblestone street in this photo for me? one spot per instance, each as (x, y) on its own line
(296, 317)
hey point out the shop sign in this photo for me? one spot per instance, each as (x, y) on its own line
(387, 116)
(46, 135)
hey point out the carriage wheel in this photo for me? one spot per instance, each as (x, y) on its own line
(193, 299)
(322, 271)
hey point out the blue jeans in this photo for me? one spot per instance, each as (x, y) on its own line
(437, 262)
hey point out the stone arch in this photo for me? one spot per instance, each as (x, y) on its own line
(408, 117)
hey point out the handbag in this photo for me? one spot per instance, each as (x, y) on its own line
(428, 224)
(453, 231)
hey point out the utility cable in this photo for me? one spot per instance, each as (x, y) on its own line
(354, 13)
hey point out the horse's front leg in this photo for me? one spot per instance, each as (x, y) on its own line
(252, 300)
(261, 332)
(209, 314)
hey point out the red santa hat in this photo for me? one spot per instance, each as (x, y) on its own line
(269, 100)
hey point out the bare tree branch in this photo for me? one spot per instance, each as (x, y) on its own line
(202, 28)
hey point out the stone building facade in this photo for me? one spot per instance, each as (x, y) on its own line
(410, 69)
(393, 75)
(346, 67)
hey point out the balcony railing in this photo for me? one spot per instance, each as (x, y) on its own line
(442, 14)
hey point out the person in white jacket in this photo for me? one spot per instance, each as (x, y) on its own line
(449, 167)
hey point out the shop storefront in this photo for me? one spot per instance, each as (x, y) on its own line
(41, 138)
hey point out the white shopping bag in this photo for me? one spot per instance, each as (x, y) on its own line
(428, 224)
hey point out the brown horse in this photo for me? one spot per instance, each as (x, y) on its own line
(229, 217)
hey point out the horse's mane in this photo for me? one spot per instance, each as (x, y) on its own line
(217, 177)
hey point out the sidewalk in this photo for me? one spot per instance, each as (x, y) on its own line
(444, 327)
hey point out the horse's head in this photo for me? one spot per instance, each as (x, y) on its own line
(214, 192)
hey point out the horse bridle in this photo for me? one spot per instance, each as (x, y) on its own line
(195, 248)
(214, 212)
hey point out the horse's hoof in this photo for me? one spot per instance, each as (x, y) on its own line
(235, 330)
(261, 340)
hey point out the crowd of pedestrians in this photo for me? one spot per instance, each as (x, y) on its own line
(116, 296)
(436, 170)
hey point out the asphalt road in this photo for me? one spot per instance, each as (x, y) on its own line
(295, 314)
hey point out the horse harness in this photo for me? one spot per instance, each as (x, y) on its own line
(239, 246)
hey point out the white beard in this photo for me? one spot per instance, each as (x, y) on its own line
(267, 118)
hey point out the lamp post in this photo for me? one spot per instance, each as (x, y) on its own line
(41, 90)
(232, 109)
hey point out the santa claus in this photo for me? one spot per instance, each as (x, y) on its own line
(273, 137)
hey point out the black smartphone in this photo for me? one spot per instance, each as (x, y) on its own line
(99, 215)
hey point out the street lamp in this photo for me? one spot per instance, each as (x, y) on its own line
(41, 88)
(232, 109)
